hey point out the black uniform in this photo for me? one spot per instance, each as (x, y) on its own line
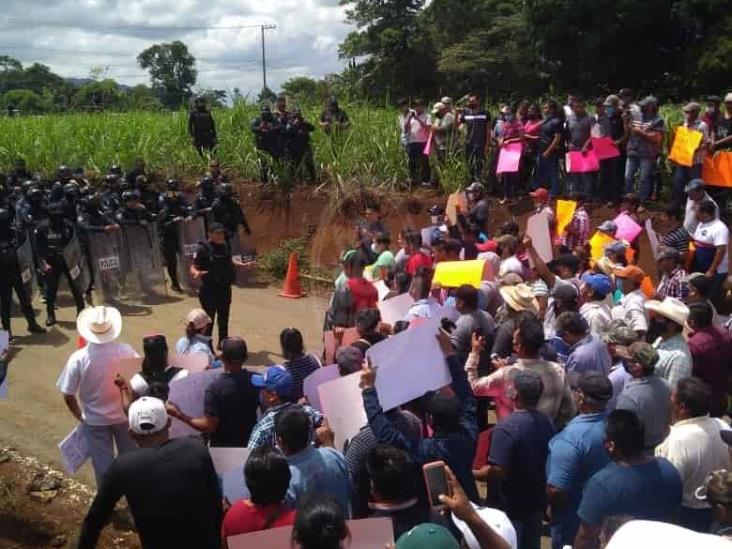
(51, 238)
(227, 211)
(10, 276)
(215, 292)
(91, 219)
(299, 152)
(269, 140)
(202, 128)
(173, 211)
(204, 200)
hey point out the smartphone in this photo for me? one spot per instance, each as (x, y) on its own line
(435, 480)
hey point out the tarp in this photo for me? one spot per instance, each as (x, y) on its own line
(144, 264)
(106, 254)
(77, 264)
(190, 234)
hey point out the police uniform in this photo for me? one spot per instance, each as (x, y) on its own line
(10, 275)
(91, 219)
(269, 141)
(202, 128)
(204, 200)
(227, 211)
(173, 211)
(297, 141)
(51, 238)
(215, 292)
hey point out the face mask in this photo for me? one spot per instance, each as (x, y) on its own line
(508, 117)
(609, 110)
(711, 110)
(434, 219)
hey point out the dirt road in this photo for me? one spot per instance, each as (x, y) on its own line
(34, 418)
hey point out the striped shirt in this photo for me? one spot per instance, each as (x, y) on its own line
(677, 239)
(674, 285)
(580, 225)
(299, 369)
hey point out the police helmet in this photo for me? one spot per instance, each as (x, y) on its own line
(172, 185)
(206, 183)
(63, 172)
(130, 196)
(333, 102)
(71, 189)
(26, 186)
(55, 209)
(35, 194)
(199, 99)
(116, 169)
(436, 210)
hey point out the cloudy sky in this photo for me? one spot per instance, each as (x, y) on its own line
(74, 36)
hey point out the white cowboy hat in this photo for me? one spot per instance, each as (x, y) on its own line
(670, 308)
(99, 324)
(520, 297)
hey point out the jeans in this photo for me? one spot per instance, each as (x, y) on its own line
(645, 165)
(547, 174)
(528, 531)
(699, 520)
(682, 175)
(101, 440)
(511, 184)
(581, 183)
(419, 164)
(564, 529)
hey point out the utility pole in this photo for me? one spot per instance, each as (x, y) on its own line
(264, 59)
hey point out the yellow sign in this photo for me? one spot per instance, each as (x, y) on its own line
(686, 142)
(597, 244)
(565, 213)
(451, 274)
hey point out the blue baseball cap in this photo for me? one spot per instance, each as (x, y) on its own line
(276, 379)
(598, 282)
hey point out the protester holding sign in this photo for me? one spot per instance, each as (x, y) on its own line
(692, 123)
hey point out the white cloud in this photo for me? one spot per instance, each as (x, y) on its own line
(73, 36)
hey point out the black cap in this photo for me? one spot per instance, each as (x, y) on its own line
(595, 386)
(216, 227)
(234, 349)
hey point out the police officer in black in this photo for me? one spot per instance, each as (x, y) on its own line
(477, 123)
(204, 199)
(19, 174)
(138, 169)
(478, 206)
(133, 212)
(334, 119)
(297, 143)
(51, 238)
(33, 210)
(70, 201)
(216, 269)
(201, 127)
(269, 140)
(174, 210)
(216, 173)
(227, 210)
(10, 276)
(111, 193)
(92, 219)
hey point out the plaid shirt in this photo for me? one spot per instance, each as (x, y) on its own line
(580, 227)
(674, 285)
(264, 431)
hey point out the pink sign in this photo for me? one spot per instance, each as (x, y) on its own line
(428, 146)
(604, 148)
(509, 158)
(579, 162)
(628, 229)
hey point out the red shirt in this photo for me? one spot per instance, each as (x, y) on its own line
(416, 261)
(711, 349)
(364, 293)
(244, 517)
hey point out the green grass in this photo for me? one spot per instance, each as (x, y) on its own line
(368, 156)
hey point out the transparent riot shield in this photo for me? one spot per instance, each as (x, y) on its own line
(27, 268)
(190, 234)
(143, 266)
(77, 265)
(107, 265)
(242, 248)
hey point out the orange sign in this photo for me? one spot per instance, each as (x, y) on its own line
(717, 169)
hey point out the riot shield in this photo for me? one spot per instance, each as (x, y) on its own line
(144, 265)
(27, 268)
(77, 264)
(107, 265)
(242, 248)
(190, 234)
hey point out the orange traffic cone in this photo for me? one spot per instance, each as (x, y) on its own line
(292, 287)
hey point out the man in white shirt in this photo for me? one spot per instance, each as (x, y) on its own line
(630, 308)
(696, 195)
(417, 126)
(674, 358)
(595, 310)
(87, 383)
(695, 448)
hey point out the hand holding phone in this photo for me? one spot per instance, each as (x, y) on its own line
(435, 479)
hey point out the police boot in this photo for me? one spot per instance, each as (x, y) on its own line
(35, 328)
(50, 317)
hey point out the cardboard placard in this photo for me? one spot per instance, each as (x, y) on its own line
(193, 362)
(717, 170)
(686, 142)
(74, 450)
(604, 148)
(597, 244)
(509, 158)
(565, 213)
(342, 405)
(582, 162)
(628, 229)
(452, 274)
(537, 227)
(311, 383)
(394, 309)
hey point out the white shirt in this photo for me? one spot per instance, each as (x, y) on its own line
(674, 359)
(597, 316)
(140, 386)
(423, 308)
(690, 221)
(715, 233)
(417, 132)
(647, 533)
(695, 448)
(510, 265)
(89, 374)
(630, 310)
(198, 344)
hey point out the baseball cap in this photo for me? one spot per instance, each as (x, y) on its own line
(487, 246)
(692, 106)
(495, 519)
(437, 107)
(600, 283)
(640, 352)
(147, 416)
(234, 349)
(428, 535)
(617, 247)
(595, 386)
(541, 193)
(199, 318)
(607, 227)
(611, 100)
(694, 185)
(632, 272)
(648, 100)
(666, 252)
(216, 228)
(446, 100)
(620, 334)
(728, 97)
(276, 379)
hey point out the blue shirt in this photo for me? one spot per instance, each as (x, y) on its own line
(520, 444)
(321, 471)
(589, 355)
(650, 491)
(575, 454)
(197, 344)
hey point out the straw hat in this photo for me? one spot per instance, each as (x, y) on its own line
(520, 298)
(670, 308)
(99, 324)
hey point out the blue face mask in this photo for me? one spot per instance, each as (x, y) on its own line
(508, 117)
(609, 110)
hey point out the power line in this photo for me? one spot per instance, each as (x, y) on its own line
(35, 23)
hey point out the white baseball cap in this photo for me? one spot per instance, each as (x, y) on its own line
(148, 416)
(495, 519)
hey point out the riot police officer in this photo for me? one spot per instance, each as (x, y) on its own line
(216, 173)
(268, 139)
(227, 210)
(478, 206)
(138, 169)
(33, 209)
(133, 212)
(205, 199)
(51, 239)
(216, 269)
(174, 210)
(202, 127)
(19, 173)
(149, 198)
(92, 219)
(110, 193)
(297, 142)
(10, 275)
(70, 201)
